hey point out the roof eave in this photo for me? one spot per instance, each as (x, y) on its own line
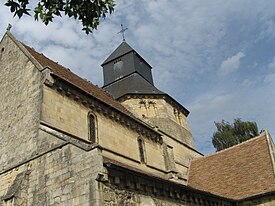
(132, 117)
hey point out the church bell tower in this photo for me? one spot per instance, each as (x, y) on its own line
(126, 72)
(128, 78)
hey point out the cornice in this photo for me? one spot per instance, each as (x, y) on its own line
(108, 111)
(125, 177)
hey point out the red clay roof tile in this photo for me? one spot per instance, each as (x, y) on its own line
(77, 81)
(238, 172)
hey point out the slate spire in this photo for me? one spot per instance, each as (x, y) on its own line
(126, 72)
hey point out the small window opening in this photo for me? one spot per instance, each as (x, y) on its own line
(141, 151)
(2, 49)
(92, 128)
(117, 60)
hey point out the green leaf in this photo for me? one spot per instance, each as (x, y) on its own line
(228, 134)
(89, 12)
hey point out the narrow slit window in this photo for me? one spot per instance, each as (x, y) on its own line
(141, 151)
(92, 128)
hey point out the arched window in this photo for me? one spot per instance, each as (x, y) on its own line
(92, 128)
(141, 150)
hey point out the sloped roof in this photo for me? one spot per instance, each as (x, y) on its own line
(122, 49)
(132, 84)
(239, 172)
(72, 78)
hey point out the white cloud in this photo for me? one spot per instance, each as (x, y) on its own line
(270, 78)
(213, 104)
(268, 30)
(231, 64)
(248, 83)
(205, 110)
(271, 65)
(252, 104)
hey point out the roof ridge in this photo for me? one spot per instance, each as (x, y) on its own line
(22, 47)
(230, 172)
(264, 134)
(40, 53)
(56, 71)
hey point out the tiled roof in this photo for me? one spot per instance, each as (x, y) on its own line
(239, 172)
(77, 81)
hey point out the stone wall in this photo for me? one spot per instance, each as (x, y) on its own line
(64, 175)
(20, 98)
(150, 107)
(64, 113)
(122, 141)
(129, 189)
(118, 141)
(182, 155)
(158, 112)
(173, 125)
(38, 167)
(116, 197)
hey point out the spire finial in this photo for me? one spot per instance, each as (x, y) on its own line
(122, 31)
(9, 27)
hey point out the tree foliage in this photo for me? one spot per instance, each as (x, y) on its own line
(228, 134)
(89, 12)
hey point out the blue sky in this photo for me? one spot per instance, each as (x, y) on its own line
(215, 57)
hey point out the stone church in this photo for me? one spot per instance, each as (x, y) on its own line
(65, 141)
